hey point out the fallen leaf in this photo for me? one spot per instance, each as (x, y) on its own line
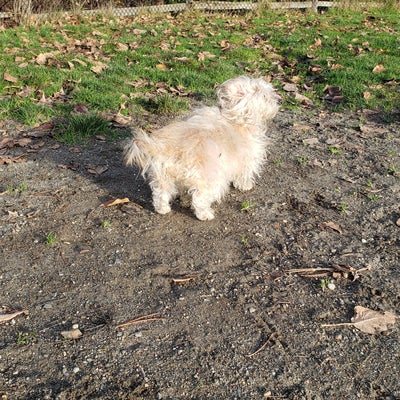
(303, 99)
(10, 316)
(114, 202)
(72, 334)
(205, 54)
(367, 95)
(96, 170)
(121, 119)
(11, 160)
(122, 47)
(333, 225)
(80, 109)
(289, 87)
(161, 67)
(368, 321)
(317, 43)
(372, 322)
(9, 78)
(98, 68)
(378, 69)
(7, 143)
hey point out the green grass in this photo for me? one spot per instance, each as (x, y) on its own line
(247, 205)
(159, 65)
(78, 128)
(51, 238)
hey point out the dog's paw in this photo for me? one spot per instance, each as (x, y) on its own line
(204, 215)
(243, 187)
(164, 209)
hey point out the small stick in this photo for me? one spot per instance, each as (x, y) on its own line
(262, 347)
(8, 317)
(309, 270)
(138, 320)
(335, 325)
(185, 279)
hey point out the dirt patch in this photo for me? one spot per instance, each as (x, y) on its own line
(224, 290)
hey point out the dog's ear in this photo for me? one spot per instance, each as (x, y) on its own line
(230, 94)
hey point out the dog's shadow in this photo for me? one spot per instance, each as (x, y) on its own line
(99, 162)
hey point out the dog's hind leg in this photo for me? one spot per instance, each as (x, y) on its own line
(163, 193)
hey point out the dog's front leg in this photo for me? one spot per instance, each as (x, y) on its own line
(201, 202)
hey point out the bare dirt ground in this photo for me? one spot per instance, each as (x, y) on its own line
(233, 319)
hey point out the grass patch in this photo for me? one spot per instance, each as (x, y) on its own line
(78, 128)
(157, 64)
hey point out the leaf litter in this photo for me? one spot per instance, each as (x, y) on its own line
(368, 321)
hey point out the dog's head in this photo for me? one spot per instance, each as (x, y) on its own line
(247, 101)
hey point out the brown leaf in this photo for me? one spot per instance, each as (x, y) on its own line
(372, 322)
(10, 316)
(303, 100)
(367, 95)
(317, 43)
(205, 54)
(80, 109)
(96, 170)
(161, 67)
(333, 225)
(290, 87)
(11, 160)
(7, 143)
(121, 119)
(98, 68)
(378, 69)
(9, 78)
(114, 202)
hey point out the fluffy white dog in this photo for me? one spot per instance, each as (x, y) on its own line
(214, 147)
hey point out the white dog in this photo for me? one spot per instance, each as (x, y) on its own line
(214, 147)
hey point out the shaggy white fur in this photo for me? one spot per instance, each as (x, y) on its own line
(212, 148)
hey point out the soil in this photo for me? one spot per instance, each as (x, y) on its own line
(239, 303)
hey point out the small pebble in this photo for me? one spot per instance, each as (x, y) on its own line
(75, 326)
(331, 286)
(398, 222)
(76, 370)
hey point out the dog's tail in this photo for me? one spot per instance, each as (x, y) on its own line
(137, 151)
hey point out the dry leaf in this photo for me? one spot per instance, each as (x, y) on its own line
(121, 119)
(367, 95)
(370, 321)
(378, 69)
(98, 68)
(317, 43)
(72, 334)
(333, 226)
(205, 54)
(96, 170)
(115, 202)
(161, 67)
(303, 100)
(10, 316)
(290, 87)
(9, 78)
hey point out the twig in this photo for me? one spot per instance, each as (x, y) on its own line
(335, 325)
(185, 279)
(8, 317)
(263, 346)
(309, 270)
(138, 320)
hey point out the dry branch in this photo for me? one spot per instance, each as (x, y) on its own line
(142, 318)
